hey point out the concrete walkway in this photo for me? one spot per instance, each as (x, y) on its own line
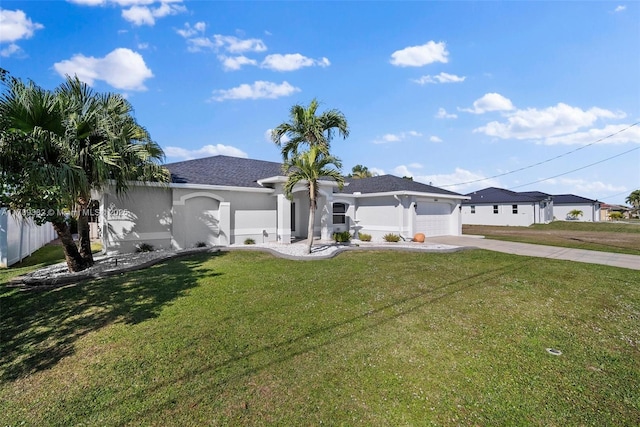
(542, 251)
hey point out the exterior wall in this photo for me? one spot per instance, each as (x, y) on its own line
(143, 215)
(590, 212)
(437, 217)
(20, 237)
(378, 216)
(527, 214)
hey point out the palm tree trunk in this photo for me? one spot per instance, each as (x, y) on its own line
(84, 238)
(71, 254)
(312, 218)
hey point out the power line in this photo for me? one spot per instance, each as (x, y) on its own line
(544, 161)
(575, 170)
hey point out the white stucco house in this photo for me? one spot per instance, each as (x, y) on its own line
(223, 200)
(498, 206)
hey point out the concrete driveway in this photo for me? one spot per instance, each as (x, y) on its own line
(542, 251)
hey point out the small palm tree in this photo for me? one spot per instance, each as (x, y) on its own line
(308, 168)
(359, 171)
(575, 214)
(634, 199)
(305, 127)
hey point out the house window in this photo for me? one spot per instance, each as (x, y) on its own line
(473, 209)
(339, 211)
(514, 209)
(495, 209)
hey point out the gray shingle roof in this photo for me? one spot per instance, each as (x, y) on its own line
(223, 170)
(571, 199)
(389, 183)
(495, 195)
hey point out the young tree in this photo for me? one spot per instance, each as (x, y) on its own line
(308, 167)
(305, 127)
(575, 214)
(56, 146)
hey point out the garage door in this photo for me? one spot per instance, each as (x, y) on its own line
(433, 219)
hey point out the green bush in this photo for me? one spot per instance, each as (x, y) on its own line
(364, 237)
(144, 247)
(390, 237)
(249, 241)
(342, 237)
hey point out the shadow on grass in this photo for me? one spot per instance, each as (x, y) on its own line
(38, 328)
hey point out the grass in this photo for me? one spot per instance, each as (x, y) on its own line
(615, 237)
(367, 338)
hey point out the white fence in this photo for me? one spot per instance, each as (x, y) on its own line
(20, 237)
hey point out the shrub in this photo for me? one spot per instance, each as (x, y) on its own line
(364, 237)
(144, 247)
(616, 216)
(249, 241)
(201, 245)
(342, 237)
(390, 237)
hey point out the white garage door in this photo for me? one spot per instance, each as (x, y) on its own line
(433, 218)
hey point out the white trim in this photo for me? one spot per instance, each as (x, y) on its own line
(183, 200)
(405, 193)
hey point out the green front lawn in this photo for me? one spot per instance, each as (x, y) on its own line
(367, 338)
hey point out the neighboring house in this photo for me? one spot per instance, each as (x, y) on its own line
(563, 204)
(497, 206)
(20, 237)
(606, 210)
(224, 200)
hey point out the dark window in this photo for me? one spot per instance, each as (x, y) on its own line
(339, 211)
(514, 209)
(495, 209)
(473, 209)
(293, 217)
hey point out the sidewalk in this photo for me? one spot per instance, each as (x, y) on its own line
(542, 251)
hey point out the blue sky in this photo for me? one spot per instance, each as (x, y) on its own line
(463, 95)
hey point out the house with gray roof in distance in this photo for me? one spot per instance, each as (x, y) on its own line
(223, 200)
(498, 206)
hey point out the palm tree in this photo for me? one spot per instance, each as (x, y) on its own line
(634, 199)
(359, 171)
(108, 144)
(309, 167)
(307, 128)
(55, 147)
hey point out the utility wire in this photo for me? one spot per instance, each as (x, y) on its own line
(544, 161)
(575, 170)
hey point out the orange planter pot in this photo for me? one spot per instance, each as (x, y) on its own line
(419, 237)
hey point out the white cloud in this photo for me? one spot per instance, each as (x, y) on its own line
(609, 134)
(440, 78)
(620, 8)
(206, 151)
(145, 15)
(434, 138)
(11, 49)
(417, 56)
(549, 122)
(291, 62)
(391, 137)
(582, 186)
(442, 114)
(257, 90)
(235, 45)
(233, 63)
(188, 31)
(460, 180)
(196, 44)
(490, 102)
(122, 69)
(15, 25)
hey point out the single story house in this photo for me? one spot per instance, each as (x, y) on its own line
(223, 200)
(498, 206)
(606, 210)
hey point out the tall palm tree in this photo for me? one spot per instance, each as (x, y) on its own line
(305, 127)
(55, 147)
(308, 168)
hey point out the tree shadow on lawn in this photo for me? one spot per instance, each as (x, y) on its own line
(38, 328)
